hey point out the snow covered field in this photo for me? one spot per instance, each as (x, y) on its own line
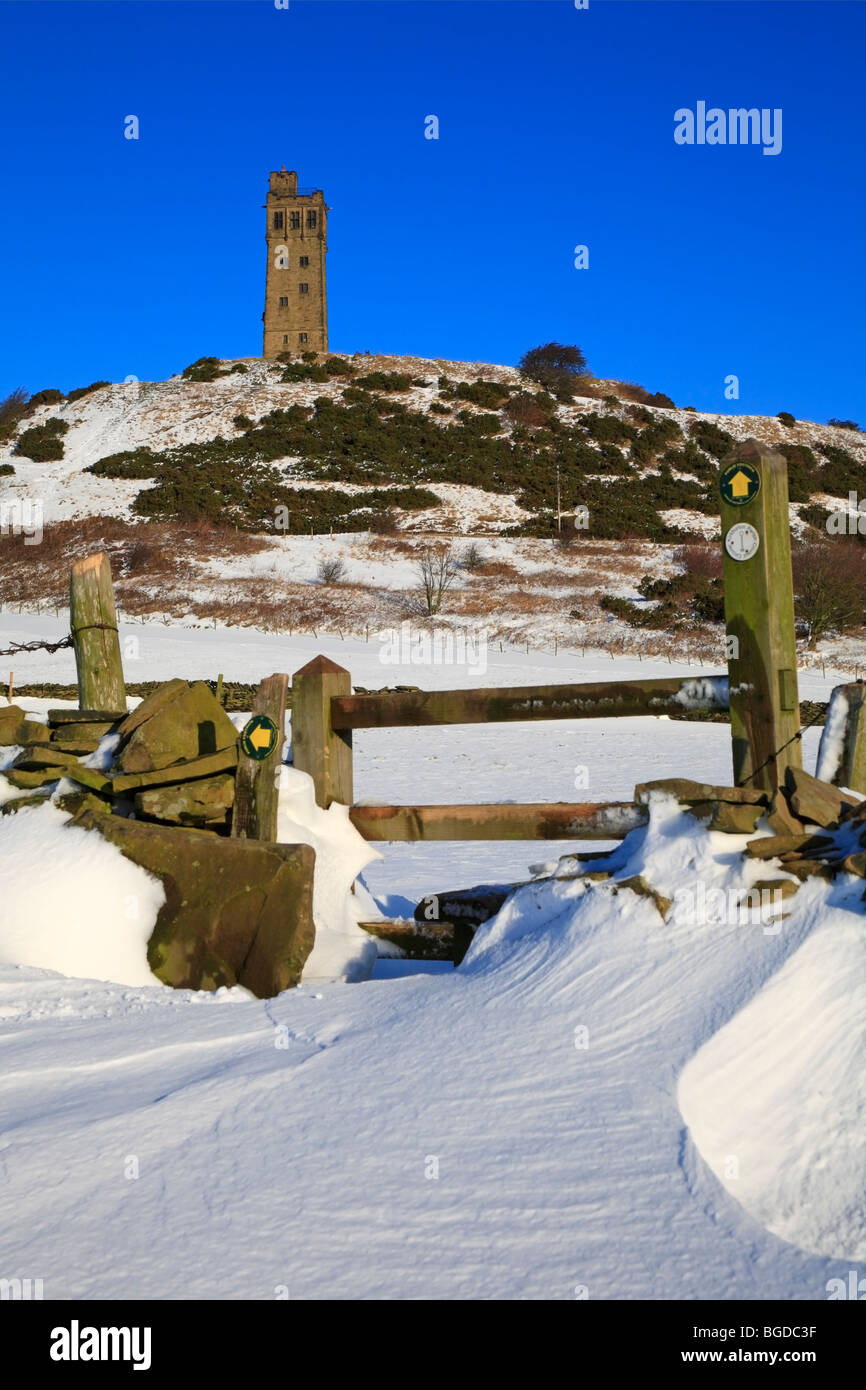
(556, 1119)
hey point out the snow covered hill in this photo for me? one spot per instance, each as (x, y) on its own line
(521, 589)
(160, 415)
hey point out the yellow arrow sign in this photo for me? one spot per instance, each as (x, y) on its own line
(740, 484)
(260, 737)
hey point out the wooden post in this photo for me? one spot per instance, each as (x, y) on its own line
(93, 623)
(317, 748)
(759, 615)
(254, 816)
(842, 754)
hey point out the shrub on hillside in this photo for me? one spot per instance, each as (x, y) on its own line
(132, 464)
(304, 371)
(662, 615)
(607, 429)
(841, 473)
(711, 438)
(695, 593)
(353, 395)
(479, 424)
(631, 391)
(691, 459)
(786, 418)
(803, 478)
(43, 443)
(338, 366)
(386, 381)
(384, 523)
(6, 470)
(242, 422)
(204, 369)
(435, 407)
(80, 391)
(238, 369)
(489, 394)
(527, 408)
(50, 396)
(845, 424)
(652, 440)
(815, 516)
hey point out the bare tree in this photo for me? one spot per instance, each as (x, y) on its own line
(12, 411)
(436, 571)
(829, 584)
(331, 571)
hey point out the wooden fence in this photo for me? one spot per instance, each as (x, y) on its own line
(324, 714)
(762, 686)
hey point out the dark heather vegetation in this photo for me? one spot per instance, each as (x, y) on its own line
(627, 466)
(80, 391)
(42, 443)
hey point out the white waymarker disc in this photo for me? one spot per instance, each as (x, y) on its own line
(742, 541)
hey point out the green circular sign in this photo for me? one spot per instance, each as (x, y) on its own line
(259, 737)
(740, 484)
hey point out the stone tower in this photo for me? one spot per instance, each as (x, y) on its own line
(296, 304)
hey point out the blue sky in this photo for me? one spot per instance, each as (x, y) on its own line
(555, 129)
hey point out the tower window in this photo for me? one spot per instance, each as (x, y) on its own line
(302, 338)
(284, 301)
(285, 339)
(303, 289)
(278, 221)
(311, 219)
(294, 219)
(303, 260)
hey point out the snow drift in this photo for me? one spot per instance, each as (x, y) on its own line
(776, 1100)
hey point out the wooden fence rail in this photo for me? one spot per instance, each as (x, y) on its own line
(592, 700)
(611, 820)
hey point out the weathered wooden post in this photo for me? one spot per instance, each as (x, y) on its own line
(842, 754)
(759, 615)
(317, 747)
(93, 624)
(260, 751)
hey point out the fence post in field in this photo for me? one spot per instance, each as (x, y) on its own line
(93, 624)
(317, 748)
(842, 754)
(260, 754)
(759, 615)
